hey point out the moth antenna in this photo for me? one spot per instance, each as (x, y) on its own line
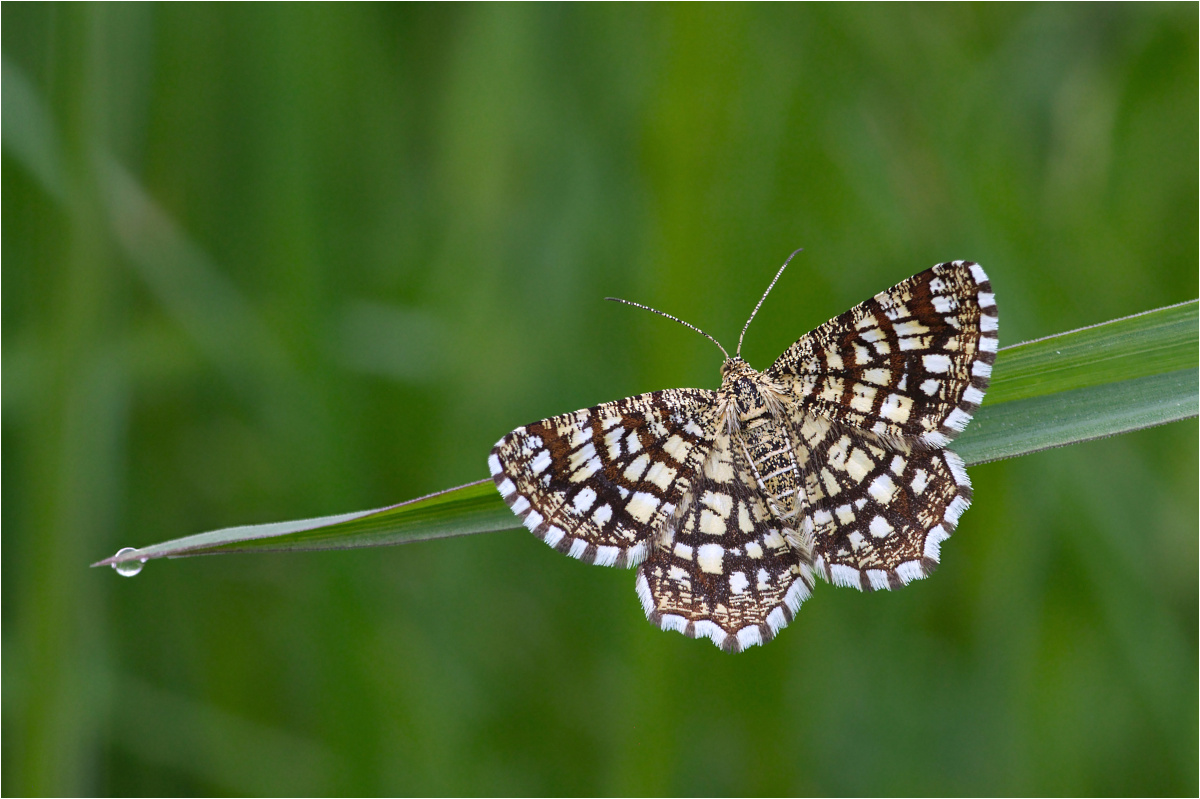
(760, 302)
(673, 318)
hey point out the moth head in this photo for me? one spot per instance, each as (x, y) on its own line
(734, 368)
(739, 380)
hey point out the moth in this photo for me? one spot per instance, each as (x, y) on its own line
(832, 463)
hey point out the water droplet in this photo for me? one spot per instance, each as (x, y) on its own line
(130, 567)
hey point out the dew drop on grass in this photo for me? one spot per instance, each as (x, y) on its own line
(129, 567)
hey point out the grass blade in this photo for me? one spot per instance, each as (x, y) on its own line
(466, 509)
(1150, 343)
(1025, 426)
(1120, 376)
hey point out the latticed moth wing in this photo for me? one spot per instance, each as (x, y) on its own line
(597, 484)
(877, 515)
(910, 364)
(727, 569)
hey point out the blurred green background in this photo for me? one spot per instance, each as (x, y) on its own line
(269, 262)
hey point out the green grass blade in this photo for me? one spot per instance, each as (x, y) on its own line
(471, 508)
(1150, 343)
(1022, 427)
(1099, 381)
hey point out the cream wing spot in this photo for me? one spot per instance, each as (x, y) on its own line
(584, 463)
(641, 506)
(882, 489)
(718, 470)
(584, 500)
(711, 558)
(711, 523)
(832, 391)
(910, 328)
(859, 465)
(721, 504)
(879, 377)
(863, 398)
(635, 470)
(773, 540)
(738, 582)
(914, 343)
(661, 475)
(612, 440)
(541, 463)
(936, 364)
(881, 527)
(896, 408)
(681, 576)
(581, 431)
(676, 448)
(944, 304)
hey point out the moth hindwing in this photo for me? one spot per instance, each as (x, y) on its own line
(831, 463)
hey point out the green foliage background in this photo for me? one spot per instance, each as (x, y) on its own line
(267, 262)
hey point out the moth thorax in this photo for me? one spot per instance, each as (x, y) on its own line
(748, 399)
